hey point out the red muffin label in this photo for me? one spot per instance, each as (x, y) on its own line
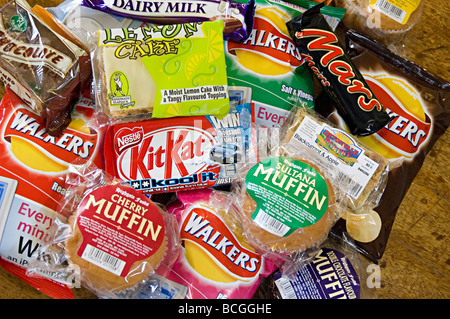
(119, 226)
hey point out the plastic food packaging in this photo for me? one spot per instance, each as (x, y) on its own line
(45, 69)
(363, 170)
(337, 271)
(288, 207)
(381, 19)
(113, 238)
(327, 59)
(236, 16)
(419, 104)
(33, 168)
(175, 154)
(269, 65)
(291, 199)
(216, 262)
(161, 71)
(288, 203)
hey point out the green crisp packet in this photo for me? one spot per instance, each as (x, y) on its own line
(161, 70)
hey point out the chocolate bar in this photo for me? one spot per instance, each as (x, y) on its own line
(345, 85)
(184, 153)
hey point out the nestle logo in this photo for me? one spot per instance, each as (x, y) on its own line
(127, 138)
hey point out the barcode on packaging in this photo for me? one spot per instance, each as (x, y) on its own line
(103, 259)
(390, 10)
(286, 288)
(270, 224)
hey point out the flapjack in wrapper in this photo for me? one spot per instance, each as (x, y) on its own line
(418, 101)
(114, 237)
(237, 16)
(342, 81)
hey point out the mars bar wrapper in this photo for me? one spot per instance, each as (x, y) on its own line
(327, 59)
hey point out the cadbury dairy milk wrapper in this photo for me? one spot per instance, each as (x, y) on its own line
(237, 17)
(418, 102)
(326, 58)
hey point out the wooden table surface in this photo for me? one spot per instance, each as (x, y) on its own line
(416, 263)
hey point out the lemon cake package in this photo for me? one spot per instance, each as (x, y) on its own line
(161, 71)
(33, 167)
(269, 64)
(217, 261)
(418, 101)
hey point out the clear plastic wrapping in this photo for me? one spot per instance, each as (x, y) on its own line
(316, 174)
(112, 238)
(380, 19)
(337, 271)
(361, 171)
(41, 64)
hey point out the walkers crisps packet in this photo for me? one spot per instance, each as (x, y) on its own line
(419, 103)
(217, 261)
(269, 64)
(161, 71)
(33, 166)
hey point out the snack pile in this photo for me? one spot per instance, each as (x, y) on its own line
(181, 149)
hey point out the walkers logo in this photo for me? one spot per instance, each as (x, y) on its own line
(409, 129)
(34, 148)
(269, 49)
(214, 251)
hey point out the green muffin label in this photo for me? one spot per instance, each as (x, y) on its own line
(289, 194)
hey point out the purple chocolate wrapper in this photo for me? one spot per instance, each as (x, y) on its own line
(237, 17)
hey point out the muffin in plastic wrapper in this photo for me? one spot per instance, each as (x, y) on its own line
(112, 240)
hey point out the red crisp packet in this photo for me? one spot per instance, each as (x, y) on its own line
(33, 168)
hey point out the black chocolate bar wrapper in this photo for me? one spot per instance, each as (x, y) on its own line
(327, 59)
